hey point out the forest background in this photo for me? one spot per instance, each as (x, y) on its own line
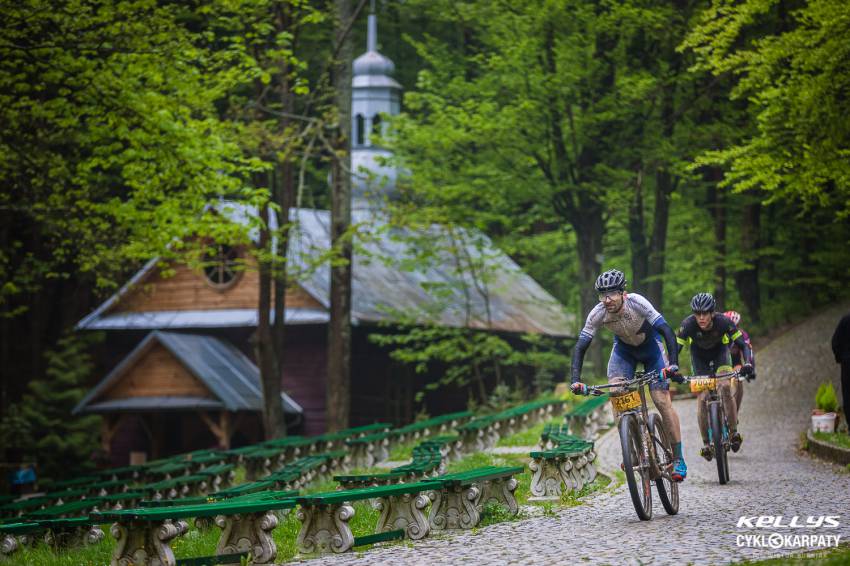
(698, 146)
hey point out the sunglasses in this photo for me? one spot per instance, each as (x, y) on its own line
(609, 296)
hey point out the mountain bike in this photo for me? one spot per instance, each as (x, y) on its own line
(647, 453)
(718, 426)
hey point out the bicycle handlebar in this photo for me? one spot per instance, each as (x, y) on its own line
(644, 379)
(731, 375)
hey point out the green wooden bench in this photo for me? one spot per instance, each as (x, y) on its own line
(461, 497)
(435, 425)
(324, 516)
(144, 535)
(480, 434)
(564, 469)
(550, 431)
(179, 486)
(22, 506)
(588, 418)
(369, 449)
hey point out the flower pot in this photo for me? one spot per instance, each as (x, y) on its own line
(824, 423)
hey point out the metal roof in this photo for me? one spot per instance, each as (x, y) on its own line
(385, 281)
(229, 375)
(142, 404)
(220, 318)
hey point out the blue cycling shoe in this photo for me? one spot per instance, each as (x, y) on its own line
(680, 470)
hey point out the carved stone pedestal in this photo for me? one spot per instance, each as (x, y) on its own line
(455, 508)
(548, 478)
(144, 543)
(248, 532)
(501, 492)
(324, 528)
(73, 536)
(403, 512)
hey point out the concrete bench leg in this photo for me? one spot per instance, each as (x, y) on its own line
(324, 528)
(249, 532)
(8, 545)
(75, 536)
(143, 543)
(382, 452)
(546, 481)
(501, 492)
(404, 512)
(591, 467)
(455, 508)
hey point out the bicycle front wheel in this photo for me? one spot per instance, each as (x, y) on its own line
(716, 422)
(637, 471)
(668, 490)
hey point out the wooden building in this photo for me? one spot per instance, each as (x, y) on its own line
(164, 331)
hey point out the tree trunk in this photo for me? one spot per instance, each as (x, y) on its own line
(717, 200)
(664, 187)
(274, 425)
(589, 231)
(637, 238)
(284, 196)
(747, 280)
(339, 328)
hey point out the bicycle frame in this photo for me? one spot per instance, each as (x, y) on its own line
(639, 382)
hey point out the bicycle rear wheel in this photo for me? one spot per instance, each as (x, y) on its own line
(637, 473)
(668, 490)
(716, 423)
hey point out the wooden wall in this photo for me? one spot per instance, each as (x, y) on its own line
(187, 289)
(304, 373)
(157, 374)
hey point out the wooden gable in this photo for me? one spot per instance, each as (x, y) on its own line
(157, 373)
(188, 289)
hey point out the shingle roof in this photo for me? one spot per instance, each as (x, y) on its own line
(230, 376)
(386, 281)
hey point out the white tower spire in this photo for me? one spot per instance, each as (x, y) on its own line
(374, 92)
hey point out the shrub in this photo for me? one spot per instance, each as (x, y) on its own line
(826, 399)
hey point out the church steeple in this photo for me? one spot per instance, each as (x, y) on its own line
(374, 93)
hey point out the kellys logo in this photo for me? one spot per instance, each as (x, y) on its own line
(795, 522)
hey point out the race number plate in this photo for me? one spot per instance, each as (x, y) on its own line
(626, 402)
(705, 384)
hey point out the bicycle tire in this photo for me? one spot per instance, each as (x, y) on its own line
(716, 423)
(631, 444)
(668, 490)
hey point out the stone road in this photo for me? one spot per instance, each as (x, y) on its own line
(769, 477)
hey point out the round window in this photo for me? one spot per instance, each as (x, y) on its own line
(221, 266)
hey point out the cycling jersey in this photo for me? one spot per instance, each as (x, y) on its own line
(632, 324)
(637, 327)
(711, 344)
(738, 355)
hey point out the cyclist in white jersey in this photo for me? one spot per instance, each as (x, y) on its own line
(637, 329)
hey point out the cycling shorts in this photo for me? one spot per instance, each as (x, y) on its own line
(709, 362)
(625, 358)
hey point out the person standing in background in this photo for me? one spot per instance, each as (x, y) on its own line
(841, 349)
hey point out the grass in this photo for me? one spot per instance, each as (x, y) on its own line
(528, 437)
(834, 438)
(837, 556)
(403, 451)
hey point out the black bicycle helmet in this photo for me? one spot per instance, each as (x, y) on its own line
(611, 280)
(703, 302)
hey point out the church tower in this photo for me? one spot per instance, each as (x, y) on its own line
(374, 95)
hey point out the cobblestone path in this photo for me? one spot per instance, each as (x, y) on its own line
(769, 477)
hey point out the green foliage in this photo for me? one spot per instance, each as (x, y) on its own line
(825, 399)
(61, 444)
(789, 67)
